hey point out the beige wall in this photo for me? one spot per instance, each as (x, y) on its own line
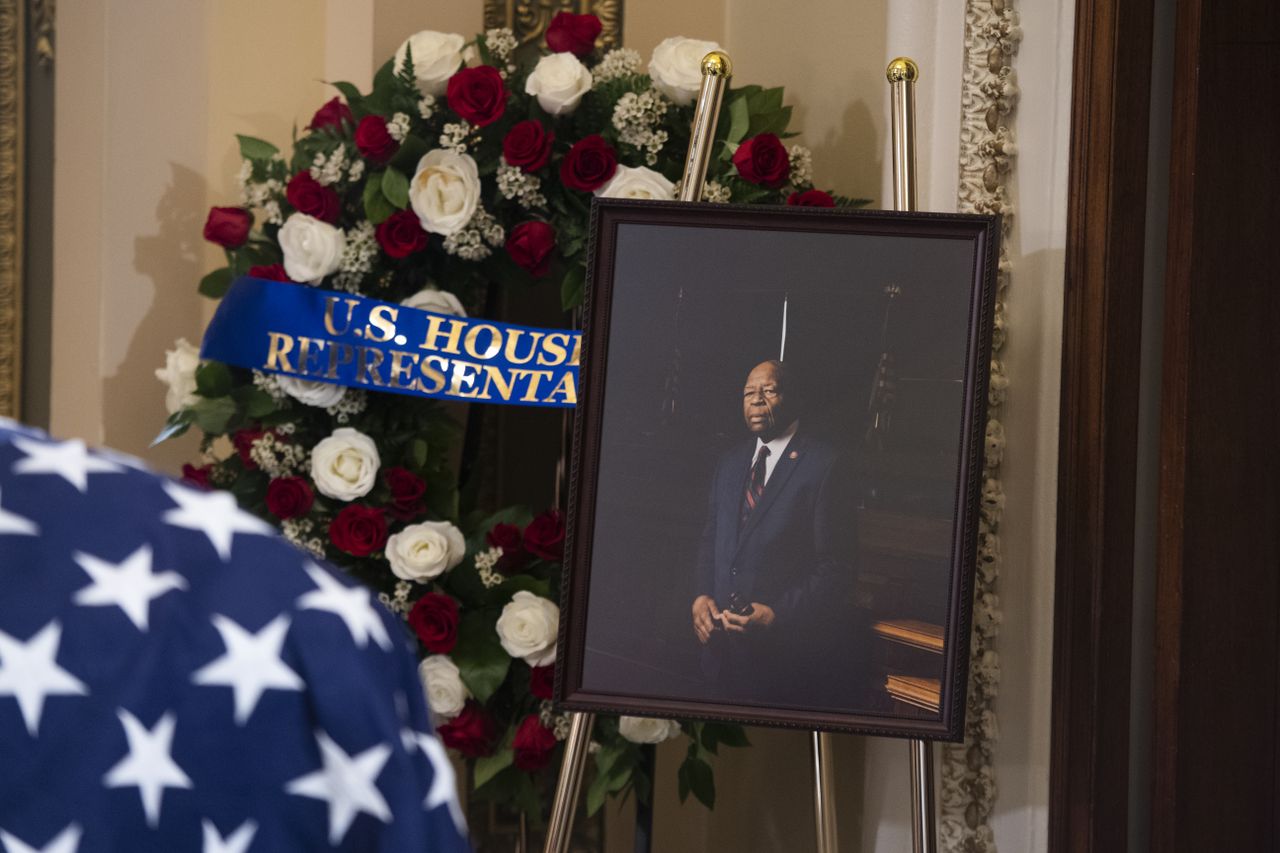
(151, 93)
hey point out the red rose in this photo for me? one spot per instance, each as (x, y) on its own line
(228, 226)
(507, 537)
(401, 234)
(434, 618)
(589, 164)
(533, 744)
(471, 733)
(374, 141)
(570, 33)
(811, 198)
(530, 245)
(478, 94)
(762, 160)
(332, 115)
(358, 530)
(196, 476)
(289, 497)
(274, 272)
(528, 145)
(544, 536)
(542, 681)
(243, 441)
(407, 489)
(308, 196)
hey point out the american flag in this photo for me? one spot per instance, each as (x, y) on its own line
(175, 677)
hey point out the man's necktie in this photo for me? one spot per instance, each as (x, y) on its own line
(755, 486)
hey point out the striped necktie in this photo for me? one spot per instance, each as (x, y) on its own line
(755, 486)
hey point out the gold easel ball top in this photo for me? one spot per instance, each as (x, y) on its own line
(902, 70)
(717, 64)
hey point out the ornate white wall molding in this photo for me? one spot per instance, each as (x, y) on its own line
(987, 149)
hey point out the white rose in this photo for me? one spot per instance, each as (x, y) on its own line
(558, 81)
(179, 373)
(647, 729)
(425, 550)
(446, 694)
(439, 301)
(312, 249)
(640, 182)
(528, 627)
(322, 395)
(676, 67)
(445, 191)
(345, 464)
(436, 56)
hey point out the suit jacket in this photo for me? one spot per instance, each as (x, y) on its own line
(794, 553)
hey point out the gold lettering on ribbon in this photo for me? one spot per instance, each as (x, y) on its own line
(339, 354)
(473, 334)
(280, 346)
(463, 373)
(382, 318)
(401, 370)
(566, 387)
(328, 314)
(513, 341)
(430, 373)
(451, 337)
(306, 354)
(554, 350)
(367, 363)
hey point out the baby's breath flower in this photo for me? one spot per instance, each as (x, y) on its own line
(329, 170)
(469, 242)
(801, 166)
(398, 127)
(515, 183)
(636, 118)
(454, 137)
(620, 62)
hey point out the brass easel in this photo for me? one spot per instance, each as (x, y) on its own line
(902, 74)
(716, 71)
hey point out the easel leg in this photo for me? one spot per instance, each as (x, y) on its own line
(566, 802)
(824, 806)
(924, 830)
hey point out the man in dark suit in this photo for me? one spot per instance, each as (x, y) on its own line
(775, 561)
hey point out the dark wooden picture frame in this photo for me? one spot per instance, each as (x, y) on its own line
(681, 253)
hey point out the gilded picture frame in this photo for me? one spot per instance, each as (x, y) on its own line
(528, 19)
(12, 64)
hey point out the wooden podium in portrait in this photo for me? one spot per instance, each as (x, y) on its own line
(912, 685)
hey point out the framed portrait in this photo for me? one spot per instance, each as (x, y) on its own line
(777, 464)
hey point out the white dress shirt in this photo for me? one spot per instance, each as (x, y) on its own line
(776, 448)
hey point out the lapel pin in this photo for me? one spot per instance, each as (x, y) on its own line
(795, 454)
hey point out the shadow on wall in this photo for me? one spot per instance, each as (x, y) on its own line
(133, 399)
(848, 157)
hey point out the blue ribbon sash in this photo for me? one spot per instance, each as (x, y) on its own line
(340, 338)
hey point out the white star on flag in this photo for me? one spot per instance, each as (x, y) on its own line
(129, 584)
(444, 789)
(214, 514)
(148, 765)
(12, 523)
(67, 841)
(347, 784)
(29, 672)
(236, 842)
(251, 664)
(70, 460)
(352, 604)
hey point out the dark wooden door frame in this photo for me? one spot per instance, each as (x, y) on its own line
(1102, 318)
